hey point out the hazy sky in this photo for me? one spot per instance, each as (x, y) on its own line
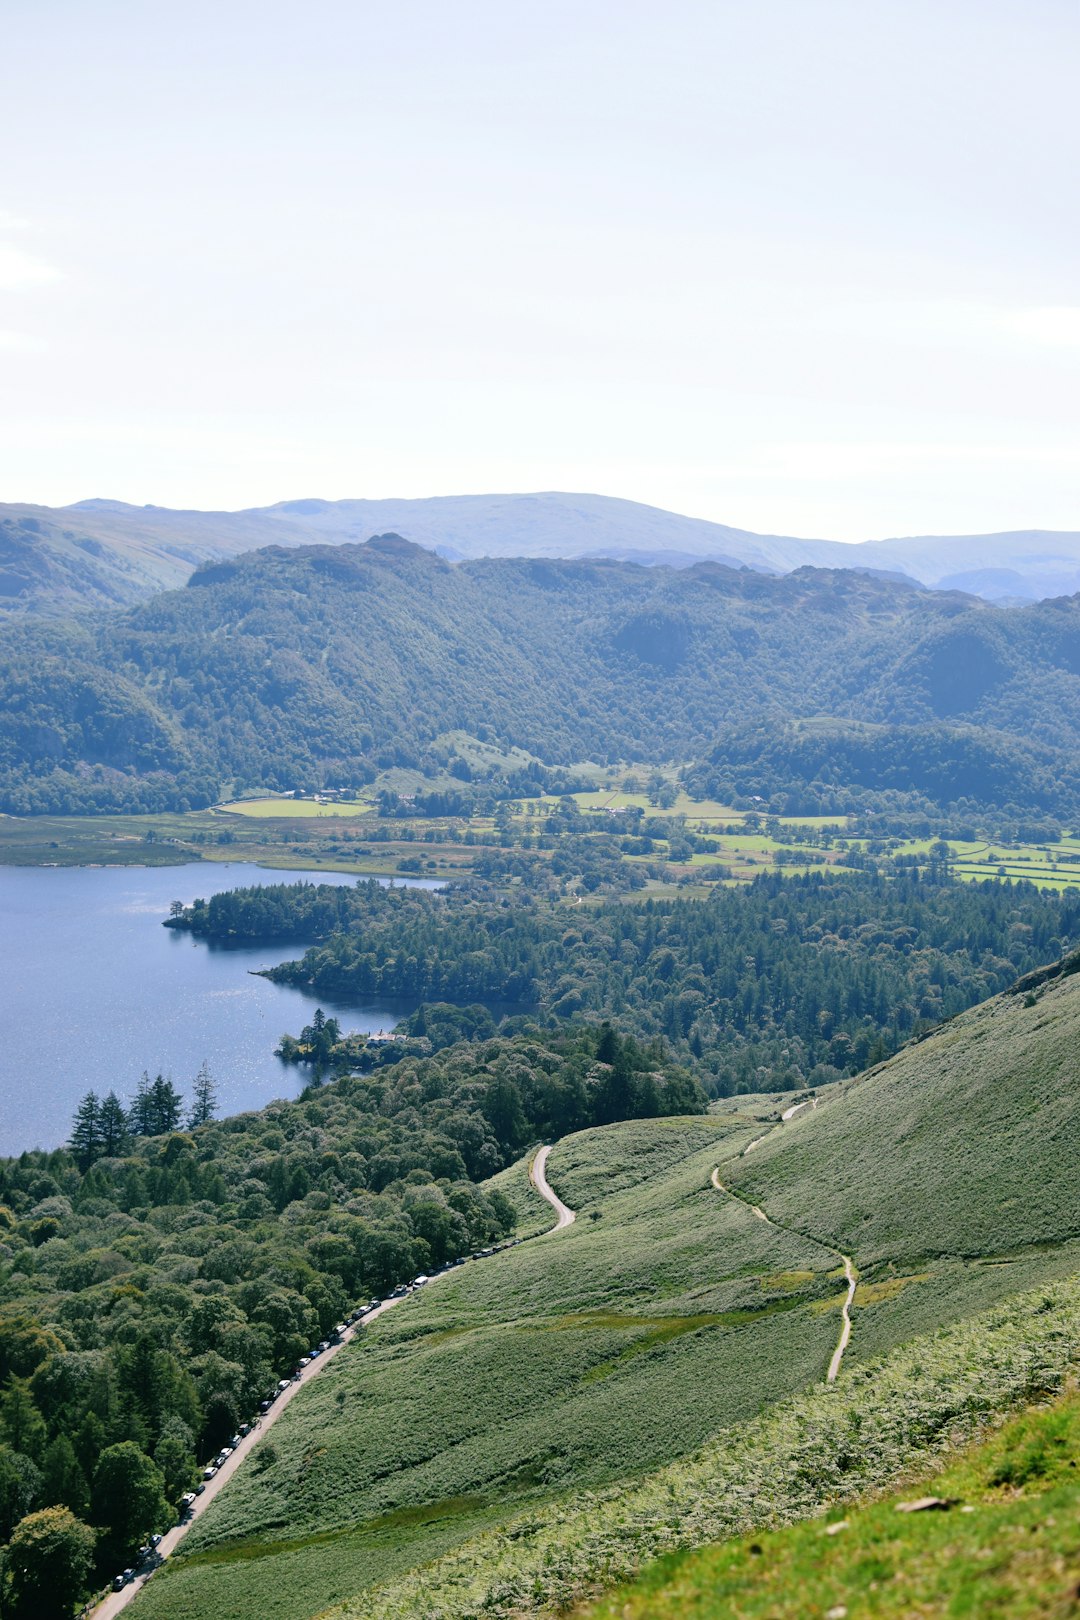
(804, 266)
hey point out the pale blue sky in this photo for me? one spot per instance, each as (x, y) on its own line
(804, 266)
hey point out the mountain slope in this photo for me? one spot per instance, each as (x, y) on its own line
(296, 667)
(963, 1145)
(594, 1349)
(106, 553)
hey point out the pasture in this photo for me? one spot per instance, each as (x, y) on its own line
(289, 808)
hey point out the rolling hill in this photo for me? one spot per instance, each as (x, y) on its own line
(102, 553)
(651, 1378)
(303, 667)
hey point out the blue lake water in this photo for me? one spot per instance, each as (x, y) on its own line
(95, 990)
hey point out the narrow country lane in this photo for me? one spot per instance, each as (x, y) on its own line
(538, 1177)
(115, 1601)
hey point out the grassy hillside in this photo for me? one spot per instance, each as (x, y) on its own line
(1006, 1546)
(595, 1397)
(294, 668)
(583, 1358)
(964, 1145)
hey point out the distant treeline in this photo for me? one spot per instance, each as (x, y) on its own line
(766, 987)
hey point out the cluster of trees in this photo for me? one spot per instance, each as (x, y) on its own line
(762, 987)
(150, 1298)
(103, 1127)
(325, 665)
(410, 943)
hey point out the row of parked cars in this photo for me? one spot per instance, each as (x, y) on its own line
(145, 1554)
(188, 1500)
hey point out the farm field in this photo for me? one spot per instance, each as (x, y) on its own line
(300, 833)
(288, 808)
(594, 1379)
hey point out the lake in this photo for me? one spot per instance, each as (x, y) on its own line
(96, 991)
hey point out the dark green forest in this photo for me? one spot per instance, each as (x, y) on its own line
(766, 987)
(153, 1288)
(325, 665)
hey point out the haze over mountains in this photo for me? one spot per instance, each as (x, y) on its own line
(101, 553)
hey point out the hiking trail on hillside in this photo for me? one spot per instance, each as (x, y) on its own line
(850, 1272)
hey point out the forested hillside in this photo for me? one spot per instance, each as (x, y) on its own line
(323, 665)
(99, 553)
(787, 981)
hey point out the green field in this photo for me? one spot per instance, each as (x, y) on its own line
(288, 808)
(614, 1387)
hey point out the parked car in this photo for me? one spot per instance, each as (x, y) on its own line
(209, 1471)
(200, 1487)
(119, 1582)
(187, 1502)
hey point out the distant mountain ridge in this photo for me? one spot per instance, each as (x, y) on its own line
(102, 553)
(326, 664)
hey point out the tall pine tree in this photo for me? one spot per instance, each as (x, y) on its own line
(85, 1139)
(204, 1097)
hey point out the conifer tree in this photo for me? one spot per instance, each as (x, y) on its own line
(204, 1097)
(85, 1139)
(112, 1126)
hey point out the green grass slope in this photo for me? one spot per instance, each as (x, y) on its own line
(535, 1427)
(1006, 1547)
(582, 1358)
(965, 1145)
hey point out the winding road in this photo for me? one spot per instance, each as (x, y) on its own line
(114, 1602)
(849, 1268)
(538, 1177)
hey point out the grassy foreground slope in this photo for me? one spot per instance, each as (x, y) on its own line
(583, 1358)
(1007, 1546)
